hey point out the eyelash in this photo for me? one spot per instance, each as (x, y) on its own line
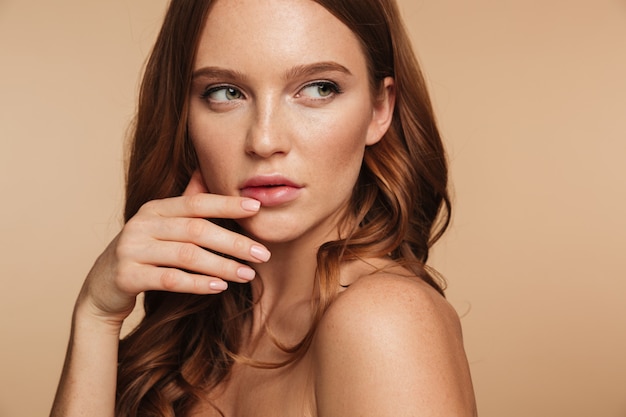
(212, 89)
(329, 84)
(335, 89)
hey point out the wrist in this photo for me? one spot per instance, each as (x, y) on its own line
(87, 316)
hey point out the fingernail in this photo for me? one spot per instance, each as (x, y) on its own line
(246, 273)
(260, 253)
(218, 285)
(251, 205)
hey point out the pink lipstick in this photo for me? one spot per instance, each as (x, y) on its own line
(271, 190)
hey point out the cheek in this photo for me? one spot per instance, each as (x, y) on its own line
(213, 158)
(336, 155)
(341, 139)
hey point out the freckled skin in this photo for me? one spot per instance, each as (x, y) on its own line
(276, 122)
(280, 90)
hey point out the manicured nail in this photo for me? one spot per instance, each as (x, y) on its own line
(251, 205)
(246, 273)
(260, 253)
(218, 285)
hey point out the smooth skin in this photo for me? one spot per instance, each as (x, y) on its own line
(391, 346)
(162, 237)
(263, 103)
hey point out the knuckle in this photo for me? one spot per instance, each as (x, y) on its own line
(198, 285)
(148, 207)
(195, 203)
(130, 242)
(169, 279)
(136, 224)
(195, 228)
(226, 269)
(187, 254)
(239, 244)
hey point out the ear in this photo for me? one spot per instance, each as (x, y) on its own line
(382, 112)
(196, 184)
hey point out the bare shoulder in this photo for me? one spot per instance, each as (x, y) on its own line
(390, 302)
(390, 345)
(398, 294)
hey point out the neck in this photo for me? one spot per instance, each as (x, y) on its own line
(288, 277)
(285, 286)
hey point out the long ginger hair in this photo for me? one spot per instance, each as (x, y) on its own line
(187, 344)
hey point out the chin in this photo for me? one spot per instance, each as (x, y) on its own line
(301, 225)
(271, 230)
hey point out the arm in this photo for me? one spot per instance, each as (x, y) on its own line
(161, 248)
(391, 346)
(88, 381)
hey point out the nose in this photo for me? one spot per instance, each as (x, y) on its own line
(267, 135)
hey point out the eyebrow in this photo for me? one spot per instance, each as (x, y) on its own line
(313, 69)
(217, 72)
(296, 72)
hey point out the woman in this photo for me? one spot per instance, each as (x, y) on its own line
(303, 130)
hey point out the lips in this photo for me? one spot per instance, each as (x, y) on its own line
(271, 190)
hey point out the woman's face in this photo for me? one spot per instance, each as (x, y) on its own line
(281, 111)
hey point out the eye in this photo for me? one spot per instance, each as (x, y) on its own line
(222, 93)
(320, 90)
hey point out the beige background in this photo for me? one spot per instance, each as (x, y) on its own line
(531, 97)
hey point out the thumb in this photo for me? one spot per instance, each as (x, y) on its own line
(196, 184)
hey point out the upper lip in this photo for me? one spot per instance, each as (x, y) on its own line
(269, 181)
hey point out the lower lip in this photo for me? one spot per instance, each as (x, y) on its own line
(272, 196)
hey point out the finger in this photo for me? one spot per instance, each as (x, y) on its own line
(196, 184)
(194, 259)
(141, 233)
(207, 234)
(175, 280)
(204, 206)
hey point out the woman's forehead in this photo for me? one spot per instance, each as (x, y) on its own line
(282, 32)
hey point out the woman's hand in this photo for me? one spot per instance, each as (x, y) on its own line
(163, 247)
